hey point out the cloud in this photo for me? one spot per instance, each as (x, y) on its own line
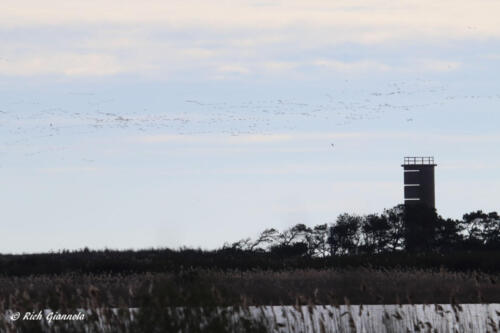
(213, 139)
(311, 136)
(412, 65)
(466, 165)
(386, 18)
(280, 66)
(237, 69)
(466, 138)
(228, 39)
(310, 142)
(438, 65)
(356, 66)
(66, 64)
(65, 170)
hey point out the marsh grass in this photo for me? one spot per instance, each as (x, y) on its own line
(227, 288)
(240, 301)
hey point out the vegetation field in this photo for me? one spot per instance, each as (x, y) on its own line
(154, 295)
(257, 287)
(401, 257)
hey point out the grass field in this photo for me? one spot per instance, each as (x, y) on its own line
(213, 290)
(191, 290)
(211, 287)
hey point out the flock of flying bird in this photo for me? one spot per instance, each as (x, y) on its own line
(34, 128)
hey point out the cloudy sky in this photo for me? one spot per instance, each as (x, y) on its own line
(133, 124)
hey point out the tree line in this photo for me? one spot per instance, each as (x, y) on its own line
(400, 237)
(399, 229)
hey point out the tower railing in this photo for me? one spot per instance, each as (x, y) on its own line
(418, 160)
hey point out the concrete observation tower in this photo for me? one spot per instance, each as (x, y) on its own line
(419, 181)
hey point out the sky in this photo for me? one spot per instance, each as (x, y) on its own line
(139, 124)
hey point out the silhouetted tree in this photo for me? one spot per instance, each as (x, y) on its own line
(491, 230)
(481, 230)
(471, 228)
(414, 228)
(243, 244)
(267, 238)
(290, 250)
(317, 240)
(376, 232)
(293, 235)
(345, 236)
(395, 219)
(448, 235)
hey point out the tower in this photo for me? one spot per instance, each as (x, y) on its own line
(419, 181)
